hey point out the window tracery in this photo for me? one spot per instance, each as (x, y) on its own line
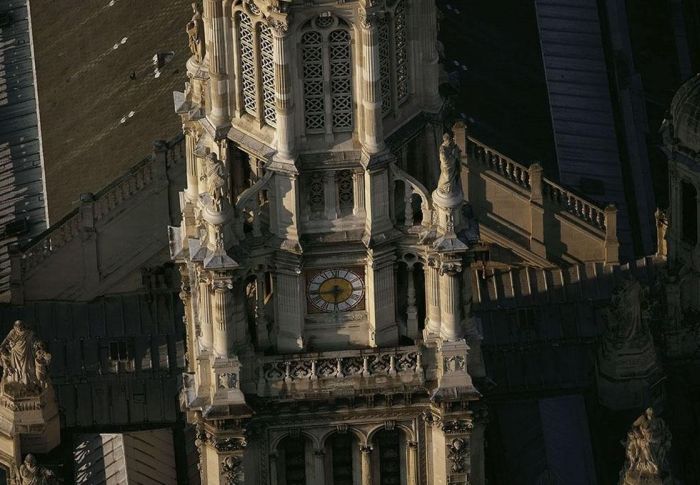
(267, 72)
(245, 27)
(256, 67)
(393, 58)
(327, 75)
(346, 198)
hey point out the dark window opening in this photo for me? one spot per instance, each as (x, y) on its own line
(689, 213)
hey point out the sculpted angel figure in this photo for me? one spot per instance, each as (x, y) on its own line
(42, 359)
(450, 165)
(17, 355)
(31, 473)
(647, 446)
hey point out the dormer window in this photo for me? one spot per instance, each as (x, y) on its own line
(327, 72)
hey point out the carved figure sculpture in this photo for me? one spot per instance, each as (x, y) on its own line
(646, 449)
(17, 356)
(42, 359)
(626, 319)
(24, 359)
(216, 175)
(195, 34)
(30, 473)
(450, 165)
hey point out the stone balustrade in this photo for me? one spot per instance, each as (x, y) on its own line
(498, 163)
(340, 372)
(102, 204)
(573, 204)
(549, 222)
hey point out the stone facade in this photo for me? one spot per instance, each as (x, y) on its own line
(306, 363)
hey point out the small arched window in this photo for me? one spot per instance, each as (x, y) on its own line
(327, 72)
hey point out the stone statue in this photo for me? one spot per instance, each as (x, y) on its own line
(647, 450)
(450, 164)
(24, 359)
(30, 473)
(216, 175)
(16, 352)
(195, 34)
(661, 230)
(42, 359)
(626, 320)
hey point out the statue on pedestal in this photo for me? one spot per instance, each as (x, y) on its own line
(450, 165)
(24, 360)
(647, 450)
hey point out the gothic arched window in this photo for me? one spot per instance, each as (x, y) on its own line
(256, 67)
(393, 58)
(327, 72)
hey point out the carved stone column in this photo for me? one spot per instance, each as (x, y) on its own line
(319, 467)
(262, 334)
(192, 189)
(330, 195)
(284, 102)
(432, 296)
(366, 465)
(381, 298)
(289, 311)
(273, 467)
(411, 309)
(221, 316)
(358, 186)
(205, 316)
(216, 52)
(412, 459)
(450, 301)
(373, 140)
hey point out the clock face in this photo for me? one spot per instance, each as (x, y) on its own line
(335, 290)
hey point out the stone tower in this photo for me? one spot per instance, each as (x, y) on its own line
(326, 290)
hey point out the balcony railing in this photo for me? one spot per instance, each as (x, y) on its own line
(344, 370)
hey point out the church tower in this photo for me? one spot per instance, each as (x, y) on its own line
(326, 289)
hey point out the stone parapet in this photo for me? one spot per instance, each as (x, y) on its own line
(343, 372)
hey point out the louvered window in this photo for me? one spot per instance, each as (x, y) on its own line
(393, 58)
(327, 71)
(256, 66)
(267, 71)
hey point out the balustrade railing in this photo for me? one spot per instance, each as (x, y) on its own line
(563, 199)
(351, 368)
(104, 202)
(573, 204)
(498, 163)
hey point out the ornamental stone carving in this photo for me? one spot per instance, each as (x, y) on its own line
(232, 470)
(31, 473)
(456, 453)
(450, 165)
(456, 426)
(216, 176)
(647, 448)
(25, 361)
(195, 34)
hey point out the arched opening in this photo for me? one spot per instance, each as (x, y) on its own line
(293, 461)
(341, 460)
(411, 298)
(389, 458)
(251, 303)
(416, 209)
(689, 213)
(399, 206)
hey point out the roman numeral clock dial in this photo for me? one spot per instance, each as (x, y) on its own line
(335, 290)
